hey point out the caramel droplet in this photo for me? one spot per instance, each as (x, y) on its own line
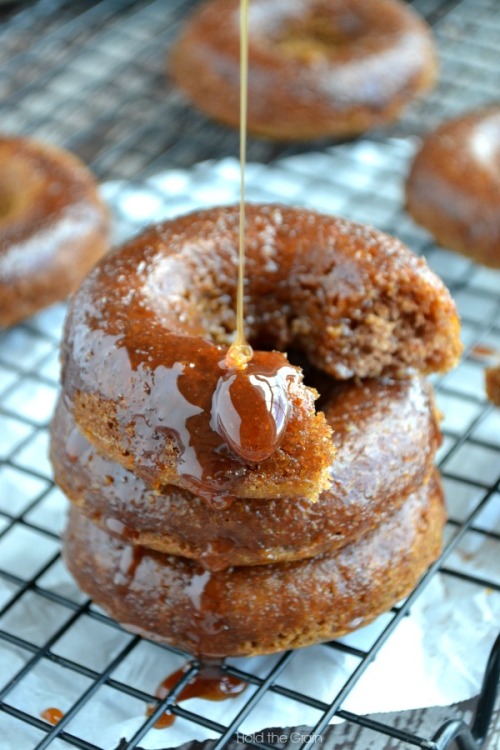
(52, 715)
(238, 356)
(250, 407)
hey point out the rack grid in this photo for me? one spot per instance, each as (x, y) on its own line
(90, 76)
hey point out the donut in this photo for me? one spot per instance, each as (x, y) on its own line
(263, 608)
(453, 187)
(316, 67)
(53, 226)
(152, 322)
(385, 433)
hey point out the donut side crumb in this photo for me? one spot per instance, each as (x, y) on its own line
(492, 381)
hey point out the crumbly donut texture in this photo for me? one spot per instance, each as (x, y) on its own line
(316, 67)
(156, 316)
(453, 188)
(53, 226)
(385, 433)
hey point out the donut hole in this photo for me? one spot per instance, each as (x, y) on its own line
(330, 30)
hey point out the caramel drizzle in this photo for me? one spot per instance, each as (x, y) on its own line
(240, 352)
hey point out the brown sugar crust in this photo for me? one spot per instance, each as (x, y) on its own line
(385, 433)
(264, 608)
(492, 378)
(316, 67)
(53, 226)
(453, 188)
(355, 301)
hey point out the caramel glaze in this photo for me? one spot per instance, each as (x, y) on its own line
(53, 226)
(385, 434)
(211, 682)
(262, 608)
(316, 67)
(453, 188)
(148, 329)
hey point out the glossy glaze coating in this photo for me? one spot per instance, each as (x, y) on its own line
(264, 608)
(385, 434)
(316, 67)
(453, 188)
(53, 226)
(149, 327)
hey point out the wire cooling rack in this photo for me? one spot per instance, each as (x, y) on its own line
(90, 76)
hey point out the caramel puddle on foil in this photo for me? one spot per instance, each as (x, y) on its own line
(210, 683)
(250, 408)
(52, 715)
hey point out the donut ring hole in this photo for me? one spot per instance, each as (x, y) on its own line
(346, 297)
(325, 30)
(318, 35)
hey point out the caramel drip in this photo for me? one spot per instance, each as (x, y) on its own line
(52, 715)
(210, 683)
(250, 407)
(250, 410)
(240, 353)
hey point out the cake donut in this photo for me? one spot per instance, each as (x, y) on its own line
(53, 226)
(263, 608)
(453, 187)
(385, 434)
(316, 67)
(151, 324)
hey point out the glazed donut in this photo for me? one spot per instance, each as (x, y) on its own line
(53, 226)
(453, 188)
(151, 324)
(263, 608)
(316, 67)
(385, 434)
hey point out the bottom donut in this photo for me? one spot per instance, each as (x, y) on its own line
(243, 611)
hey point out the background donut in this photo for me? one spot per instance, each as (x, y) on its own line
(453, 187)
(317, 67)
(53, 226)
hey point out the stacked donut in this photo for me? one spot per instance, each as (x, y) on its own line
(174, 529)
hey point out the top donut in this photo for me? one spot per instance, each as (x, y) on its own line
(316, 67)
(148, 329)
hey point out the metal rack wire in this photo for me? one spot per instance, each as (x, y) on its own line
(90, 76)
